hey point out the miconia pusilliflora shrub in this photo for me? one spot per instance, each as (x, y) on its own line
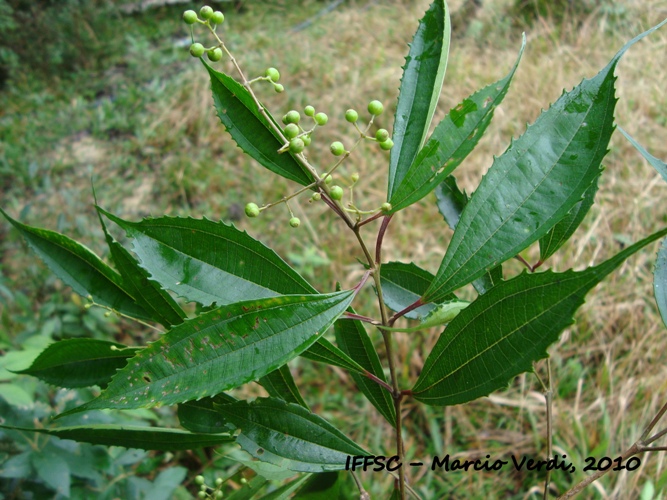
(255, 313)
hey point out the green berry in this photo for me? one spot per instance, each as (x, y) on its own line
(296, 146)
(278, 88)
(351, 116)
(316, 197)
(337, 148)
(219, 494)
(386, 207)
(336, 193)
(202, 494)
(375, 108)
(294, 222)
(200, 480)
(354, 177)
(190, 17)
(382, 135)
(285, 119)
(291, 131)
(309, 111)
(206, 12)
(306, 140)
(328, 179)
(197, 50)
(251, 210)
(203, 487)
(273, 74)
(387, 145)
(243, 480)
(293, 116)
(219, 481)
(321, 119)
(214, 54)
(217, 17)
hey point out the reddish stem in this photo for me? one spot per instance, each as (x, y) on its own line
(411, 307)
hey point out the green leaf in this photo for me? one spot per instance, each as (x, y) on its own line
(280, 384)
(423, 73)
(201, 416)
(220, 350)
(561, 232)
(507, 329)
(129, 436)
(251, 131)
(660, 281)
(285, 491)
(535, 183)
(80, 269)
(210, 262)
(451, 142)
(290, 436)
(323, 486)
(80, 362)
(451, 201)
(53, 470)
(352, 338)
(656, 163)
(324, 351)
(403, 284)
(249, 490)
(148, 293)
(441, 315)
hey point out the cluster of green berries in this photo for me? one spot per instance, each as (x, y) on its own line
(375, 108)
(298, 138)
(273, 76)
(212, 19)
(204, 489)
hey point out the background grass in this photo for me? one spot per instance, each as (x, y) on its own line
(137, 119)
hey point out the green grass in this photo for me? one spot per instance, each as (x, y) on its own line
(141, 125)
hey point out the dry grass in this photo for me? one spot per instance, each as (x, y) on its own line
(609, 369)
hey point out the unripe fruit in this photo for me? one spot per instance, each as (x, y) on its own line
(278, 88)
(382, 135)
(387, 145)
(219, 494)
(351, 116)
(285, 119)
(200, 480)
(197, 50)
(273, 74)
(321, 119)
(386, 207)
(291, 131)
(243, 480)
(309, 111)
(336, 193)
(375, 108)
(296, 146)
(202, 494)
(328, 179)
(354, 177)
(294, 222)
(306, 140)
(214, 54)
(337, 148)
(219, 481)
(203, 488)
(316, 197)
(190, 17)
(293, 116)
(252, 210)
(206, 12)
(217, 17)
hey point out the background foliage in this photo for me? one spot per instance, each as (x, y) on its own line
(79, 100)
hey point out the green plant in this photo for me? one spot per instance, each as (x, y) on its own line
(256, 313)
